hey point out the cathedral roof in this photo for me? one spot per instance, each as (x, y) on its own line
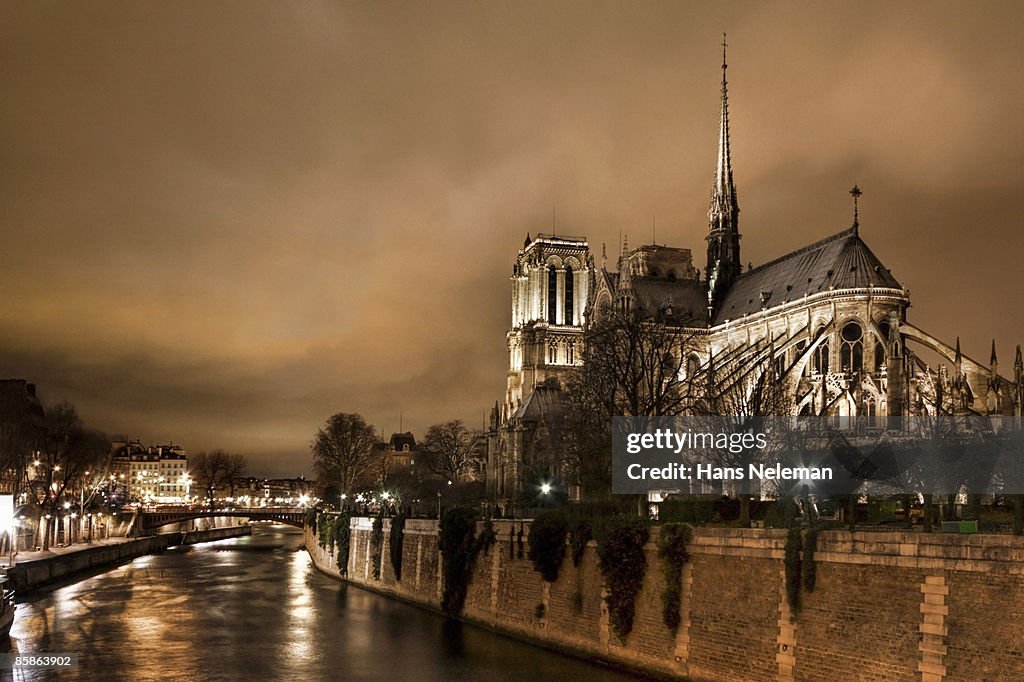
(686, 297)
(544, 402)
(842, 261)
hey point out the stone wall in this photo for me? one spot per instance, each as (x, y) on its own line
(886, 606)
(73, 560)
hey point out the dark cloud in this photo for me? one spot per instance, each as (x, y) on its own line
(222, 223)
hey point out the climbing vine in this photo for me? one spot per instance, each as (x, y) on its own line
(547, 544)
(623, 563)
(395, 538)
(794, 543)
(311, 515)
(580, 533)
(333, 534)
(809, 565)
(459, 548)
(672, 551)
(376, 542)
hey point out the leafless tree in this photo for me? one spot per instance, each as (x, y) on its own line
(217, 469)
(342, 450)
(448, 450)
(632, 366)
(71, 451)
(735, 394)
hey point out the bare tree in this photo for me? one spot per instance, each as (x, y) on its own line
(234, 466)
(632, 366)
(342, 449)
(736, 395)
(71, 451)
(217, 469)
(448, 450)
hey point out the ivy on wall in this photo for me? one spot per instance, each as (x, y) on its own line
(672, 542)
(460, 547)
(395, 539)
(580, 533)
(794, 544)
(547, 543)
(334, 534)
(376, 544)
(809, 565)
(620, 549)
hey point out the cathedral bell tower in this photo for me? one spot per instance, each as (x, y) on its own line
(723, 215)
(550, 294)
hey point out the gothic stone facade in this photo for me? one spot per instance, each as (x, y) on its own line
(829, 319)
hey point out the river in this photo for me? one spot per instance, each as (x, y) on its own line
(255, 608)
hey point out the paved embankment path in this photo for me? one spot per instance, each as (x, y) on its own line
(34, 569)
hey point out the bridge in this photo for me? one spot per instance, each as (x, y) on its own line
(149, 520)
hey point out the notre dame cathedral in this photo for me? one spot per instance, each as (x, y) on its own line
(830, 316)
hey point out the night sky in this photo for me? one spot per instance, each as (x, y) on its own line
(223, 222)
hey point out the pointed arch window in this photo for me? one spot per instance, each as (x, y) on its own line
(692, 366)
(568, 317)
(821, 359)
(552, 294)
(851, 350)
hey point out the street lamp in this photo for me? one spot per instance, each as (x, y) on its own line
(545, 492)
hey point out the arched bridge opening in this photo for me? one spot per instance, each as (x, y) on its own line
(150, 520)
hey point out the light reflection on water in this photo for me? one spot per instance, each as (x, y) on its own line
(254, 608)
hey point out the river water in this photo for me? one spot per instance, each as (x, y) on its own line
(255, 608)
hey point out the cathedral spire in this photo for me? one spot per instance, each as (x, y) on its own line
(723, 196)
(724, 264)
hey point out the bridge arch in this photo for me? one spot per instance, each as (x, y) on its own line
(148, 521)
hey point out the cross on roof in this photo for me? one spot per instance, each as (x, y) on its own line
(856, 194)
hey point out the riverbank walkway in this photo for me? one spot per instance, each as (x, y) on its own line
(28, 556)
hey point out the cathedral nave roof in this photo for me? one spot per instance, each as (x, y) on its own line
(842, 261)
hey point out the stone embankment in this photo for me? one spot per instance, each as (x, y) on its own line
(893, 606)
(35, 569)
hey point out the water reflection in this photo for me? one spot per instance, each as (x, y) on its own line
(255, 608)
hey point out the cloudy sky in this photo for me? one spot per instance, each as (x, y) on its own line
(223, 222)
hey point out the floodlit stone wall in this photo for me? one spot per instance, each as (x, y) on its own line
(886, 606)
